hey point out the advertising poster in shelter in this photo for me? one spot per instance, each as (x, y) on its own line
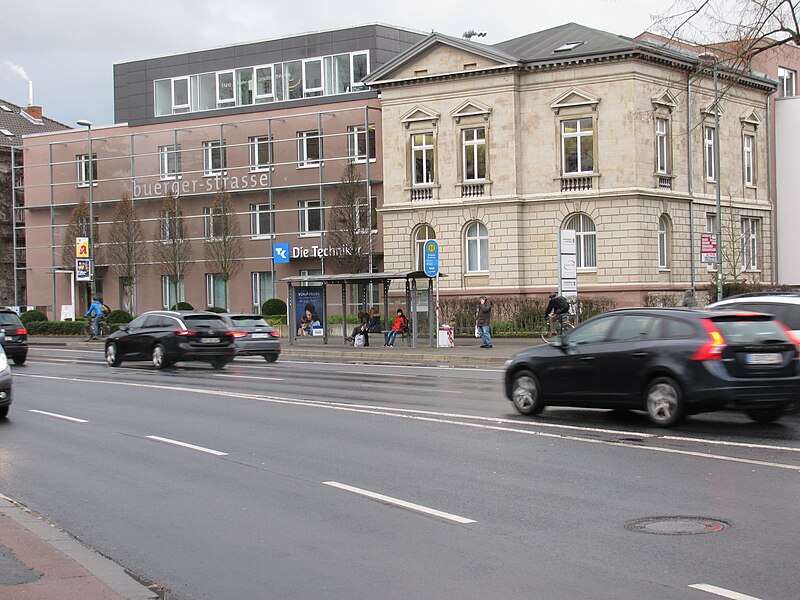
(309, 311)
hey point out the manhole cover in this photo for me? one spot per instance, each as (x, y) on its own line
(677, 525)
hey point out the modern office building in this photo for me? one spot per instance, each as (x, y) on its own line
(243, 165)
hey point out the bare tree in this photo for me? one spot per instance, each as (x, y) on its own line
(224, 253)
(171, 250)
(125, 248)
(738, 30)
(349, 226)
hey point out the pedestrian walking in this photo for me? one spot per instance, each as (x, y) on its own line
(689, 299)
(483, 320)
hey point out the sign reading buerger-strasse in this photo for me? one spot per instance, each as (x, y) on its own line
(431, 258)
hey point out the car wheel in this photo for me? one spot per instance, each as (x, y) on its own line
(112, 356)
(271, 357)
(219, 363)
(664, 402)
(526, 393)
(159, 357)
(766, 415)
(20, 359)
(4, 412)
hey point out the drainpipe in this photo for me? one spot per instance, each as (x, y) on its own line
(773, 201)
(689, 174)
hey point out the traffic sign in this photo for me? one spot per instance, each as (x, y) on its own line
(431, 258)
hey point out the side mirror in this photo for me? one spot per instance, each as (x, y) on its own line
(557, 341)
(123, 328)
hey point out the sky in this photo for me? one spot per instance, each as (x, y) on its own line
(68, 49)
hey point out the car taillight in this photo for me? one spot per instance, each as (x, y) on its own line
(21, 331)
(275, 333)
(237, 334)
(712, 349)
(185, 332)
(790, 334)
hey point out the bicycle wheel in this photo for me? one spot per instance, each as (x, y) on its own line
(104, 329)
(86, 330)
(545, 333)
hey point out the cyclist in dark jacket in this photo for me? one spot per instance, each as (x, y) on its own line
(558, 305)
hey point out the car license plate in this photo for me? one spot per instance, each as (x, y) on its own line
(210, 340)
(259, 335)
(763, 359)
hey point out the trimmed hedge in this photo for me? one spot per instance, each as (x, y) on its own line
(216, 309)
(275, 319)
(182, 306)
(273, 306)
(33, 316)
(119, 316)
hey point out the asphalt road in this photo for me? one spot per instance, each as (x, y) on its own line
(331, 480)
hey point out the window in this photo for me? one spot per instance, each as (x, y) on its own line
(709, 140)
(214, 157)
(260, 153)
(163, 97)
(577, 146)
(293, 80)
(204, 91)
(750, 243)
(366, 214)
(786, 80)
(309, 148)
(212, 222)
(477, 241)
(422, 158)
(171, 226)
(337, 74)
(474, 149)
(260, 220)
(422, 234)
(244, 86)
(310, 216)
(662, 146)
(360, 142)
(663, 242)
(180, 95)
(169, 160)
(215, 290)
(263, 289)
(84, 173)
(312, 77)
(748, 145)
(172, 291)
(360, 69)
(711, 227)
(585, 241)
(263, 85)
(226, 95)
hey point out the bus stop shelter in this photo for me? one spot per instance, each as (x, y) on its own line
(415, 282)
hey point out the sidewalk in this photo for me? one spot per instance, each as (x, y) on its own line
(40, 562)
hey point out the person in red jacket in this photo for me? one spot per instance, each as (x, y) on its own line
(400, 324)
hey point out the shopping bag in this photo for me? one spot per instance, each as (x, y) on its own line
(477, 331)
(358, 341)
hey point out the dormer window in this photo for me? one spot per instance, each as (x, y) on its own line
(568, 46)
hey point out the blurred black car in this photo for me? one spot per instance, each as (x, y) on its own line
(253, 336)
(668, 362)
(5, 383)
(16, 338)
(166, 337)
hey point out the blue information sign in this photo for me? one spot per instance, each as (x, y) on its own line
(431, 258)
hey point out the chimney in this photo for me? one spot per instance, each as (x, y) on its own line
(34, 112)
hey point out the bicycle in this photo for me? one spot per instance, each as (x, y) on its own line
(86, 330)
(563, 325)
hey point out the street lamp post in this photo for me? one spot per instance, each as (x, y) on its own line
(88, 125)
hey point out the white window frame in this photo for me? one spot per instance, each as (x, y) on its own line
(309, 91)
(471, 149)
(362, 211)
(709, 152)
(358, 138)
(257, 298)
(303, 160)
(212, 281)
(476, 236)
(226, 102)
(209, 149)
(166, 291)
(662, 146)
(663, 242)
(748, 159)
(186, 107)
(211, 215)
(305, 207)
(711, 227)
(750, 246)
(582, 137)
(258, 144)
(166, 155)
(426, 150)
(356, 85)
(256, 212)
(788, 82)
(83, 164)
(262, 98)
(422, 234)
(585, 240)
(165, 220)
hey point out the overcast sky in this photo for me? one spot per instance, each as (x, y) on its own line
(68, 49)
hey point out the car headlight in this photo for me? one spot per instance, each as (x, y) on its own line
(3, 361)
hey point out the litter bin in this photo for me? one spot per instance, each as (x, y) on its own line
(445, 339)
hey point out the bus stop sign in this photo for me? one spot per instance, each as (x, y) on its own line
(431, 258)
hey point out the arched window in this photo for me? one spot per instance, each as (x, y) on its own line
(585, 240)
(663, 242)
(422, 234)
(476, 238)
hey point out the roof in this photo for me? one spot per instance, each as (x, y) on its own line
(543, 45)
(19, 124)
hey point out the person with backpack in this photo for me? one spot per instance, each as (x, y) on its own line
(558, 305)
(400, 325)
(95, 313)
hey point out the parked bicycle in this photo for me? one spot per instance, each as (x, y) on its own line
(563, 326)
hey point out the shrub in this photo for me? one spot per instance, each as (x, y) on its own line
(33, 316)
(182, 306)
(273, 306)
(119, 316)
(275, 319)
(55, 327)
(216, 309)
(664, 299)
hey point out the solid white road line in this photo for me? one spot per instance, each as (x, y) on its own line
(732, 444)
(249, 377)
(57, 416)
(401, 503)
(712, 589)
(185, 445)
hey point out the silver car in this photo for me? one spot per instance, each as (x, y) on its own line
(253, 336)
